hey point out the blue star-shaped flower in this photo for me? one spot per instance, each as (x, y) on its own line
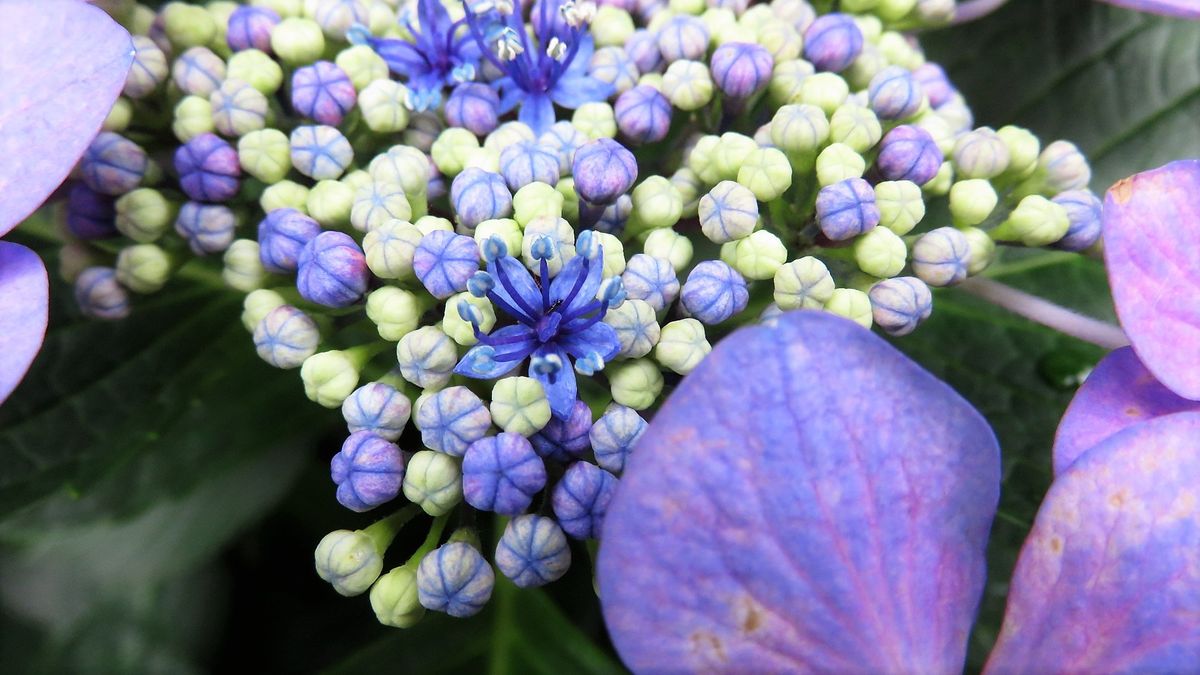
(558, 321)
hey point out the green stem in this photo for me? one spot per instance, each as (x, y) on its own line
(382, 532)
(431, 539)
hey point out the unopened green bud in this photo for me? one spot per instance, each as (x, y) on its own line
(243, 269)
(427, 224)
(143, 268)
(433, 481)
(405, 165)
(852, 304)
(858, 6)
(358, 179)
(611, 26)
(390, 247)
(257, 305)
(329, 377)
(363, 65)
(394, 598)
(1036, 221)
(507, 134)
(654, 80)
(856, 126)
(941, 131)
(519, 405)
(188, 25)
(382, 106)
(257, 69)
(119, 116)
(688, 85)
(394, 311)
(329, 203)
(901, 205)
(144, 215)
(983, 249)
(837, 162)
(682, 345)
(690, 188)
(870, 26)
(285, 194)
(701, 159)
(671, 246)
(535, 200)
(506, 229)
(350, 561)
(238, 108)
(486, 159)
(656, 204)
(787, 79)
(896, 46)
(376, 203)
(758, 256)
(635, 384)
(284, 8)
(972, 201)
(780, 39)
(728, 212)
(694, 7)
(613, 263)
(767, 172)
(868, 64)
(827, 91)
(427, 357)
(298, 41)
(880, 253)
(981, 153)
(451, 150)
(595, 119)
(799, 128)
(1023, 149)
(193, 117)
(265, 154)
(458, 327)
(803, 284)
(940, 185)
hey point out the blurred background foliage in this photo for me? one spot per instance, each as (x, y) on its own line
(161, 490)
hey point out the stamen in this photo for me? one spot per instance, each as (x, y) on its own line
(548, 365)
(557, 49)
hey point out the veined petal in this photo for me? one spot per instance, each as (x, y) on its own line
(64, 63)
(1109, 579)
(561, 392)
(598, 337)
(1119, 393)
(538, 112)
(402, 57)
(435, 20)
(829, 513)
(1151, 226)
(1185, 9)
(480, 361)
(516, 287)
(582, 272)
(24, 302)
(572, 92)
(510, 94)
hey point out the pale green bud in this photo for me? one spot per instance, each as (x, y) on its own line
(458, 328)
(983, 249)
(871, 27)
(357, 179)
(238, 108)
(257, 69)
(394, 311)
(940, 185)
(894, 10)
(426, 357)
(329, 377)
(767, 172)
(595, 119)
(717, 20)
(837, 162)
(143, 268)
(519, 405)
(671, 246)
(377, 203)
(243, 269)
(405, 165)
(329, 203)
(690, 187)
(611, 26)
(827, 91)
(852, 304)
(758, 17)
(896, 47)
(758, 256)
(800, 129)
(363, 65)
(285, 194)
(682, 345)
(652, 80)
(858, 6)
(349, 561)
(390, 247)
(536, 200)
(803, 284)
(144, 215)
(432, 480)
(557, 229)
(702, 159)
(880, 253)
(901, 205)
(193, 117)
(728, 29)
(972, 201)
(694, 7)
(394, 598)
(731, 152)
(981, 153)
(188, 25)
(382, 18)
(265, 154)
(868, 64)
(284, 8)
(1023, 149)
(427, 224)
(780, 39)
(856, 126)
(382, 105)
(221, 10)
(635, 384)
(787, 79)
(956, 113)
(656, 204)
(728, 212)
(506, 229)
(75, 257)
(452, 149)
(257, 305)
(486, 159)
(119, 116)
(688, 85)
(941, 131)
(507, 134)
(1036, 221)
(298, 42)
(636, 326)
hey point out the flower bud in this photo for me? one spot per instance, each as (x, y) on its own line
(972, 201)
(636, 383)
(1065, 167)
(285, 337)
(330, 202)
(901, 205)
(528, 162)
(297, 41)
(683, 37)
(426, 357)
(983, 249)
(688, 85)
(533, 201)
(99, 295)
(757, 256)
(149, 68)
(208, 228)
(940, 257)
(580, 500)
(349, 561)
(782, 41)
(714, 292)
(728, 212)
(502, 474)
(731, 152)
(378, 408)
(846, 209)
(119, 117)
(909, 153)
(740, 69)
(837, 163)
(382, 105)
(394, 598)
(613, 66)
(826, 91)
(981, 153)
(474, 106)
(1083, 212)
(265, 154)
(285, 194)
(803, 284)
(390, 248)
(458, 327)
(238, 108)
(332, 270)
(250, 28)
(479, 195)
(880, 253)
(188, 25)
(682, 346)
(367, 470)
(257, 304)
(650, 279)
(519, 405)
(532, 551)
(613, 436)
(394, 311)
(208, 169)
(894, 94)
(596, 119)
(433, 482)
(282, 236)
(636, 326)
(852, 304)
(113, 165)
(143, 268)
(643, 114)
(603, 170)
(376, 203)
(444, 261)
(243, 269)
(856, 127)
(320, 152)
(143, 215)
(1023, 149)
(452, 419)
(767, 173)
(832, 42)
(668, 245)
(455, 579)
(362, 65)
(323, 92)
(90, 215)
(899, 305)
(1036, 221)
(198, 72)
(452, 149)
(562, 237)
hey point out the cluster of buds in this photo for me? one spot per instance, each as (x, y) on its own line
(515, 225)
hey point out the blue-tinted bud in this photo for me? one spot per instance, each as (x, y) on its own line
(603, 170)
(528, 162)
(847, 209)
(208, 169)
(502, 474)
(238, 108)
(281, 237)
(613, 66)
(285, 337)
(444, 261)
(320, 152)
(642, 48)
(332, 270)
(741, 69)
(452, 419)
(368, 471)
(1083, 211)
(532, 551)
(900, 304)
(728, 212)
(565, 440)
(981, 153)
(99, 295)
(113, 164)
(683, 38)
(149, 68)
(208, 228)
(652, 280)
(615, 215)
(833, 42)
(250, 28)
(1065, 167)
(323, 92)
(581, 498)
(643, 114)
(455, 579)
(940, 257)
(378, 408)
(713, 292)
(337, 16)
(198, 71)
(543, 248)
(614, 435)
(426, 357)
(934, 83)
(90, 215)
(909, 153)
(479, 195)
(564, 139)
(894, 93)
(474, 106)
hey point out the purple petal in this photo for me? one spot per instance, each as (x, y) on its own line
(572, 92)
(62, 64)
(516, 287)
(561, 392)
(1109, 580)
(578, 283)
(808, 500)
(1119, 393)
(24, 302)
(537, 112)
(1186, 9)
(1151, 225)
(598, 337)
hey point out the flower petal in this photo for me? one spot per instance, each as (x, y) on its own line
(479, 361)
(1186, 9)
(1151, 225)
(538, 112)
(562, 392)
(1109, 578)
(579, 270)
(516, 287)
(1119, 393)
(572, 92)
(24, 302)
(62, 64)
(598, 337)
(808, 500)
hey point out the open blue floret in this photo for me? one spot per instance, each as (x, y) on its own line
(558, 320)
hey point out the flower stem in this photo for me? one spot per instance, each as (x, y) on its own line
(1047, 313)
(976, 9)
(382, 532)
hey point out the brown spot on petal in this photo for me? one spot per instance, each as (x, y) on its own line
(750, 615)
(708, 647)
(1133, 411)
(1056, 544)
(1122, 191)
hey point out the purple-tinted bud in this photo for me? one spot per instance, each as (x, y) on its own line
(99, 295)
(833, 42)
(320, 151)
(564, 440)
(934, 83)
(909, 153)
(208, 169)
(941, 257)
(683, 37)
(479, 195)
(452, 419)
(1083, 210)
(378, 408)
(527, 162)
(281, 237)
(613, 436)
(502, 473)
(90, 215)
(580, 500)
(455, 579)
(208, 228)
(900, 304)
(847, 209)
(613, 218)
(532, 551)
(323, 92)
(474, 106)
(894, 93)
(332, 270)
(643, 114)
(368, 471)
(113, 164)
(285, 337)
(436, 187)
(198, 71)
(603, 170)
(650, 279)
(713, 292)
(250, 28)
(642, 48)
(613, 66)
(740, 69)
(444, 262)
